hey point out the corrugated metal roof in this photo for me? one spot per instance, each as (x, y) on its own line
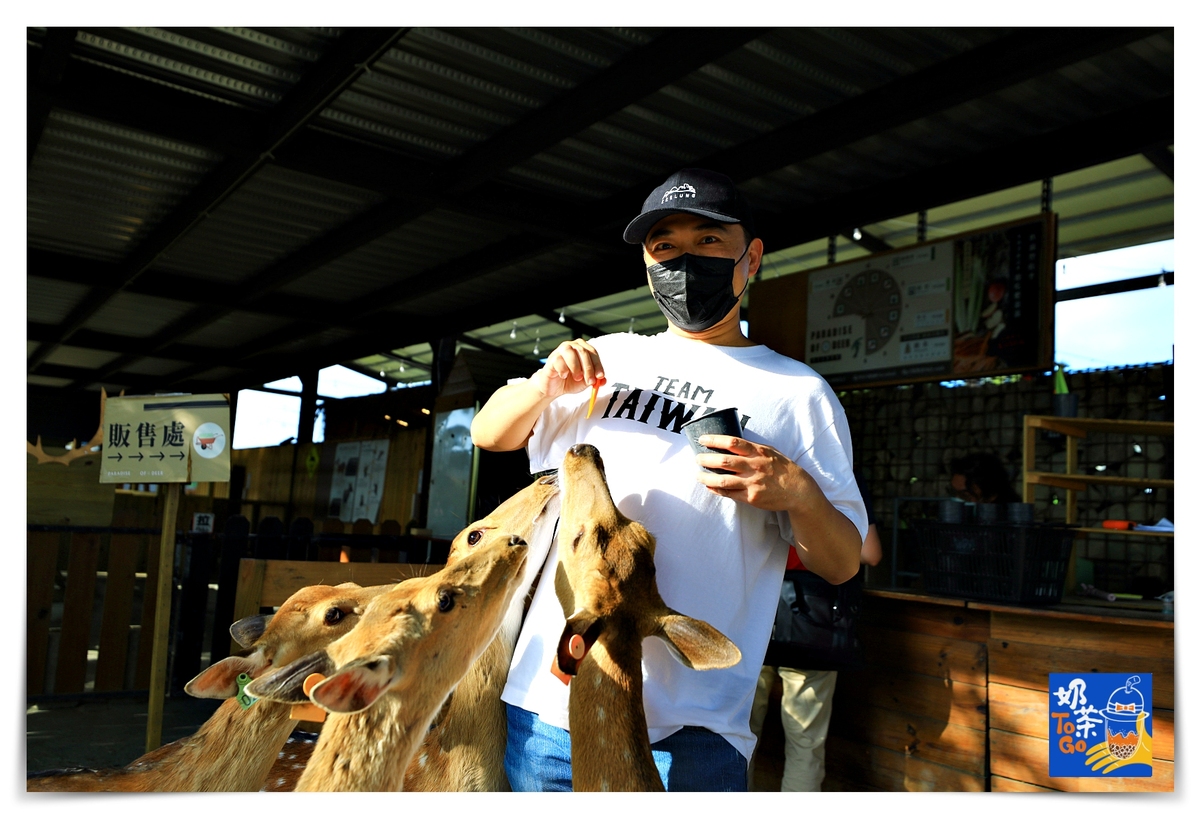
(317, 207)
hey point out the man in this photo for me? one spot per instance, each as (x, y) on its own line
(722, 538)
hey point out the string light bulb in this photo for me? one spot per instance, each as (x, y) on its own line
(402, 366)
(513, 332)
(562, 317)
(857, 234)
(537, 343)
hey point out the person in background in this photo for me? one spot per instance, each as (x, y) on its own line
(807, 702)
(981, 477)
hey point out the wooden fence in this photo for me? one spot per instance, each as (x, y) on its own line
(91, 595)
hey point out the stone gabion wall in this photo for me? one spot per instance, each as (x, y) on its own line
(905, 437)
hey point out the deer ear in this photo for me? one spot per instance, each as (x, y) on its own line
(286, 685)
(355, 687)
(219, 681)
(696, 644)
(247, 631)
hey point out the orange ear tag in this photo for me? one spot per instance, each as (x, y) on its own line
(308, 711)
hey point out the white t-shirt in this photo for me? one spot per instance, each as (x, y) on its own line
(717, 559)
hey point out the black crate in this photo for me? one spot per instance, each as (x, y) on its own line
(1021, 564)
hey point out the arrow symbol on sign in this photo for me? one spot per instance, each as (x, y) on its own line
(116, 456)
(160, 456)
(140, 456)
(180, 455)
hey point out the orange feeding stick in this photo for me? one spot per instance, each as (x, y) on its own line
(592, 401)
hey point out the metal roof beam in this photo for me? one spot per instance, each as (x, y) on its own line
(994, 66)
(122, 344)
(345, 60)
(1081, 145)
(577, 327)
(1162, 158)
(188, 289)
(44, 77)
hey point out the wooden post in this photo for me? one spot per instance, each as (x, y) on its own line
(162, 619)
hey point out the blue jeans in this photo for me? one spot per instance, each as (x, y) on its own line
(538, 758)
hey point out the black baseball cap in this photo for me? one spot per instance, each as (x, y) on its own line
(692, 190)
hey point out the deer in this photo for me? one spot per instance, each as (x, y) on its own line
(463, 751)
(233, 751)
(605, 582)
(385, 681)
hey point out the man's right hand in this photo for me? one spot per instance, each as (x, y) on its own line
(572, 367)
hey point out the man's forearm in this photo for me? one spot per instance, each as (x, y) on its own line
(827, 542)
(504, 423)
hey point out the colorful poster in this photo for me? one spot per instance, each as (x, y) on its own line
(964, 306)
(1101, 725)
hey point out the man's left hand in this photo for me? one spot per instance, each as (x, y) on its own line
(762, 476)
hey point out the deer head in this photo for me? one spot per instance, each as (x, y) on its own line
(515, 516)
(308, 621)
(417, 639)
(605, 579)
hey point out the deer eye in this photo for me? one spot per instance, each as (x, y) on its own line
(474, 537)
(334, 616)
(445, 601)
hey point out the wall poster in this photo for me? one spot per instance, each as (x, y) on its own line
(359, 472)
(967, 306)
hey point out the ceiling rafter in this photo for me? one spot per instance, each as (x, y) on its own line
(345, 60)
(45, 75)
(667, 58)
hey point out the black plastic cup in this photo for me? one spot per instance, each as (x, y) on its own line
(1020, 513)
(987, 513)
(723, 422)
(951, 511)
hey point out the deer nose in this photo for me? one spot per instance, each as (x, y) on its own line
(515, 539)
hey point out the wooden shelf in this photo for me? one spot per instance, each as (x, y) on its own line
(1079, 427)
(1080, 482)
(1126, 533)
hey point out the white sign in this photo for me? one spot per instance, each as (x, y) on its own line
(202, 522)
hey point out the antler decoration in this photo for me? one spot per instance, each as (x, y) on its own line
(76, 451)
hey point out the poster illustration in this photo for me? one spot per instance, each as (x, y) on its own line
(345, 478)
(359, 472)
(965, 306)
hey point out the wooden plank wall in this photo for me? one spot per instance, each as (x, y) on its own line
(64, 569)
(1024, 649)
(916, 717)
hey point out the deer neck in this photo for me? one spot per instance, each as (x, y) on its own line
(368, 751)
(231, 752)
(463, 751)
(610, 742)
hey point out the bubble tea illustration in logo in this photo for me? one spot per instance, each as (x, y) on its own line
(1124, 724)
(208, 440)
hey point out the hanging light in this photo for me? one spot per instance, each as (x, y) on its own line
(562, 317)
(857, 234)
(536, 343)
(402, 366)
(513, 332)
(631, 320)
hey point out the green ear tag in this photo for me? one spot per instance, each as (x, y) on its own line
(244, 700)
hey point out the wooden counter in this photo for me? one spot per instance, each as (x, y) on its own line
(954, 694)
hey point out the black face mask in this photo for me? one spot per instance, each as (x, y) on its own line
(695, 292)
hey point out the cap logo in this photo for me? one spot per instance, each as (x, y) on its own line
(684, 191)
